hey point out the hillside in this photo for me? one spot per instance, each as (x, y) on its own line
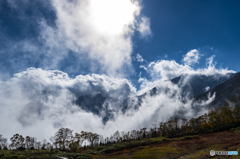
(182, 147)
(198, 146)
(227, 90)
(175, 138)
(199, 84)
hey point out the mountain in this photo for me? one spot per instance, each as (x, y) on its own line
(199, 84)
(106, 106)
(92, 103)
(193, 86)
(95, 103)
(227, 91)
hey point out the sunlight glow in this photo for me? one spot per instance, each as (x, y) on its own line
(112, 16)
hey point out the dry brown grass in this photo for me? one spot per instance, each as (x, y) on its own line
(198, 148)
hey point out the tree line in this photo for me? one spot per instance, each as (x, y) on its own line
(216, 119)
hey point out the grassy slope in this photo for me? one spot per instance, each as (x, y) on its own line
(198, 147)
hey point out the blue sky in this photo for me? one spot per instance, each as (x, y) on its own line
(210, 26)
(180, 26)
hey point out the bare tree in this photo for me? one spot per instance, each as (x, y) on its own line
(17, 141)
(54, 142)
(126, 136)
(30, 142)
(77, 141)
(101, 139)
(27, 142)
(33, 140)
(143, 130)
(93, 138)
(106, 140)
(62, 138)
(44, 144)
(112, 139)
(79, 138)
(38, 145)
(141, 133)
(48, 146)
(116, 136)
(134, 134)
(3, 142)
(176, 122)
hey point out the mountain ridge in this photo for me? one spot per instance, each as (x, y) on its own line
(188, 84)
(223, 92)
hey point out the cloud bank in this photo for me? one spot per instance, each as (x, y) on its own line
(37, 102)
(163, 70)
(168, 69)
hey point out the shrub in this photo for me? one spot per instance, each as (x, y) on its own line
(189, 137)
(237, 131)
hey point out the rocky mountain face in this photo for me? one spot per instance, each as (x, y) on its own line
(106, 106)
(228, 91)
(193, 85)
(92, 103)
(197, 87)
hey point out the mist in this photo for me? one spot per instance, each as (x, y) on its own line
(37, 103)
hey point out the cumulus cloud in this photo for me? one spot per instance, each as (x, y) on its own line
(169, 69)
(162, 70)
(36, 99)
(192, 57)
(98, 29)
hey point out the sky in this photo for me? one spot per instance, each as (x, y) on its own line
(108, 46)
(172, 28)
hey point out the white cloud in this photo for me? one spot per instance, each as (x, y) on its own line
(98, 33)
(36, 100)
(207, 89)
(100, 29)
(139, 58)
(143, 67)
(144, 27)
(37, 103)
(163, 70)
(192, 57)
(169, 69)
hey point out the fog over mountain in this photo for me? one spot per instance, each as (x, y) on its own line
(36, 99)
(104, 65)
(228, 92)
(198, 84)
